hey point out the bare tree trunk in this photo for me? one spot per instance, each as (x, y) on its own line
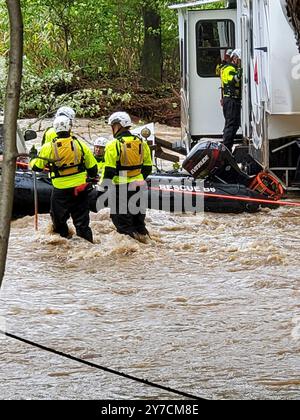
(152, 58)
(10, 126)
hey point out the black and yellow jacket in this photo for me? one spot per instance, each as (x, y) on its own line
(75, 161)
(100, 164)
(231, 77)
(127, 159)
(49, 135)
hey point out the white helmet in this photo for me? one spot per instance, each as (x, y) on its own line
(121, 118)
(101, 142)
(236, 53)
(62, 124)
(66, 111)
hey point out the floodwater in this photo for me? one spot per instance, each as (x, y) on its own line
(209, 307)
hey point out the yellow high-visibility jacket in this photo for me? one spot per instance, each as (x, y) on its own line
(49, 135)
(231, 77)
(88, 165)
(100, 165)
(114, 161)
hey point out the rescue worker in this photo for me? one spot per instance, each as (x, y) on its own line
(99, 151)
(50, 133)
(128, 163)
(70, 162)
(231, 81)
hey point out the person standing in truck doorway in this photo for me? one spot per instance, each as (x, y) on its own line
(231, 76)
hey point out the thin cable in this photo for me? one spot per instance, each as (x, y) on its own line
(105, 369)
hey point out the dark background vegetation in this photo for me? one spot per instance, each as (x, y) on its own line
(98, 56)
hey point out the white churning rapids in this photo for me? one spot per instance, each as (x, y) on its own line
(210, 307)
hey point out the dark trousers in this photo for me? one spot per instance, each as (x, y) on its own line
(64, 204)
(127, 217)
(232, 114)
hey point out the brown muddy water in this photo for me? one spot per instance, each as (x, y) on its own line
(209, 307)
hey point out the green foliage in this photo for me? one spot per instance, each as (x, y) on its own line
(92, 34)
(44, 94)
(69, 45)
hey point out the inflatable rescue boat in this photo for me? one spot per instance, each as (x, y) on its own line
(210, 180)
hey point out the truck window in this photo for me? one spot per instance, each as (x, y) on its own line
(213, 39)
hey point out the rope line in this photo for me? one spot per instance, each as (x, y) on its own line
(230, 197)
(99, 367)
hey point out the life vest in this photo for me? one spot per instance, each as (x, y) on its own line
(231, 83)
(131, 152)
(69, 157)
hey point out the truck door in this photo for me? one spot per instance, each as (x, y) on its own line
(211, 34)
(184, 76)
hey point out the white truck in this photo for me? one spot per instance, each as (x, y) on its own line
(271, 79)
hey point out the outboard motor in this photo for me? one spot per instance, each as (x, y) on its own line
(210, 159)
(213, 161)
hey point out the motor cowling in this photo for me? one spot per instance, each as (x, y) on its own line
(210, 159)
(205, 159)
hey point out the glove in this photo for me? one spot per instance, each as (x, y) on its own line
(33, 153)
